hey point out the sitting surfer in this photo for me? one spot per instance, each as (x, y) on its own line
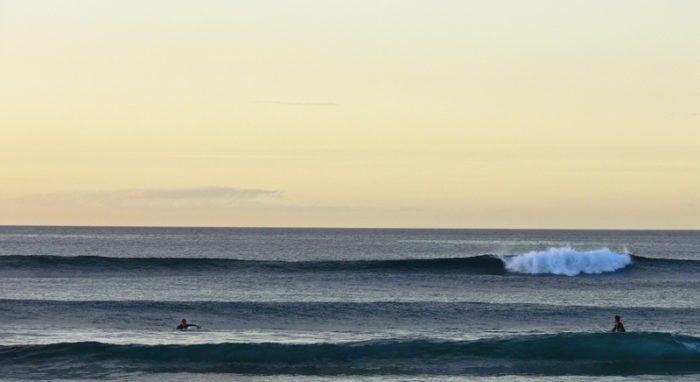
(184, 325)
(618, 325)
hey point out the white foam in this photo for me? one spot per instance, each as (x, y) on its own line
(566, 261)
(691, 346)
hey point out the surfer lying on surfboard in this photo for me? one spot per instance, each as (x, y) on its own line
(184, 325)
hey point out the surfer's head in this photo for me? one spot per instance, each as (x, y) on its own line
(183, 321)
(617, 319)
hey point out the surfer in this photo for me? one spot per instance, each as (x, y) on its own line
(618, 325)
(184, 325)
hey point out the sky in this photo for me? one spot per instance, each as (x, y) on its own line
(291, 113)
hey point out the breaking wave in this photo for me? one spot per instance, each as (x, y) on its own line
(567, 261)
(555, 261)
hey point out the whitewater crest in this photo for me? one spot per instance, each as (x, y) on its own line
(566, 261)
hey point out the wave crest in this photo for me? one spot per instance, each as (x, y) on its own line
(556, 261)
(567, 261)
(557, 354)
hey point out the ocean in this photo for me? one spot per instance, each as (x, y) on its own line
(95, 303)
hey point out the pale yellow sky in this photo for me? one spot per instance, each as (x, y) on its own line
(473, 114)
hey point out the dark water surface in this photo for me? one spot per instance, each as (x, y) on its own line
(348, 304)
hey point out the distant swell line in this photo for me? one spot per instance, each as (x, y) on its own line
(559, 261)
(558, 354)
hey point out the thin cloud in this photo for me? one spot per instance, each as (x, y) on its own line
(196, 193)
(299, 103)
(205, 197)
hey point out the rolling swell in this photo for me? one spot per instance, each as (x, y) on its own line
(557, 261)
(559, 354)
(486, 264)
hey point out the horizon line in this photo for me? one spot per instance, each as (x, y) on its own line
(345, 228)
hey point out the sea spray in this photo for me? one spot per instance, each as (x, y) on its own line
(567, 261)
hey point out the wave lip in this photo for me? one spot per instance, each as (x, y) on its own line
(556, 354)
(567, 261)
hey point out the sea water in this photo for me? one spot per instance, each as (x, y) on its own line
(85, 303)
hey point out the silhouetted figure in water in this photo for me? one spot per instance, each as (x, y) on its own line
(618, 325)
(184, 325)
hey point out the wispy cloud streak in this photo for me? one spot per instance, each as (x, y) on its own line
(299, 103)
(205, 197)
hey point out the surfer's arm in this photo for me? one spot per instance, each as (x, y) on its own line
(195, 325)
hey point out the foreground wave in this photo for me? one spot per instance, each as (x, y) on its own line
(560, 354)
(558, 261)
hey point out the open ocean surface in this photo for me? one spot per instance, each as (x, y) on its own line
(82, 303)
